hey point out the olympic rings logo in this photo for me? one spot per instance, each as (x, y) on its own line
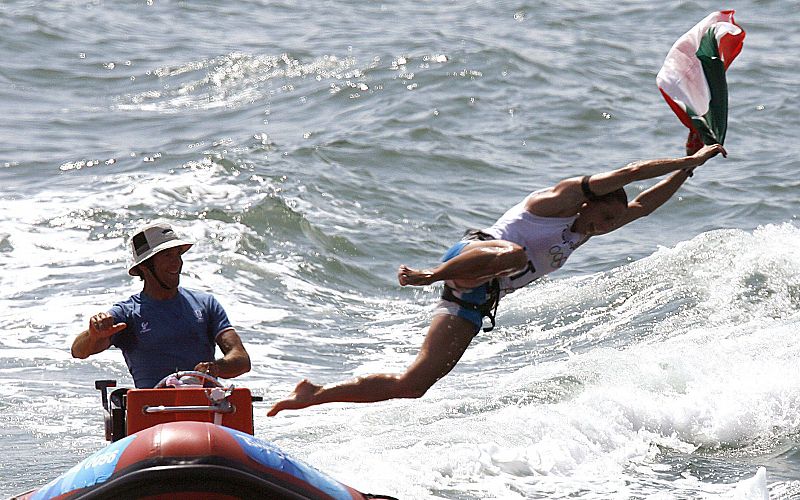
(557, 256)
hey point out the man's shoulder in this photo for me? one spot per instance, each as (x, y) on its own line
(204, 301)
(562, 200)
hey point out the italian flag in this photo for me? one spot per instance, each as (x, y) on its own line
(692, 79)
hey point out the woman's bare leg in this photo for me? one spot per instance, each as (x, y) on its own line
(445, 343)
(478, 262)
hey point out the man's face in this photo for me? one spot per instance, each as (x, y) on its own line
(602, 217)
(167, 265)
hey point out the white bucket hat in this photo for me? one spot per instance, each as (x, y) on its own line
(151, 239)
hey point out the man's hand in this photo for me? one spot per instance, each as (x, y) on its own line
(209, 367)
(102, 326)
(707, 152)
(97, 337)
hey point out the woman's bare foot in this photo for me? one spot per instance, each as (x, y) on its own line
(302, 397)
(408, 276)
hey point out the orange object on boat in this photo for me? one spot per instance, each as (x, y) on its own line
(149, 407)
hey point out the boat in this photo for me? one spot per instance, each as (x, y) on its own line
(190, 438)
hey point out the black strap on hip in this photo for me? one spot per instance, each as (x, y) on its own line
(487, 308)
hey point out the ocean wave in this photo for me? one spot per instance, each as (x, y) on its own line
(233, 80)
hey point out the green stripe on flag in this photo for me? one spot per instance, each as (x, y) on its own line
(714, 124)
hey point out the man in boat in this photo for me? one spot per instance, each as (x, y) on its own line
(165, 328)
(532, 239)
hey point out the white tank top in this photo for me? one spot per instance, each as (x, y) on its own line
(548, 241)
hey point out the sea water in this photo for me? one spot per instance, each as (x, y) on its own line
(311, 148)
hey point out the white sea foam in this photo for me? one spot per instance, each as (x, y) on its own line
(563, 427)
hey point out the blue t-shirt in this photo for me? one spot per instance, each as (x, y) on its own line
(164, 336)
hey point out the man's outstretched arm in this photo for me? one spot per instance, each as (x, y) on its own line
(607, 182)
(649, 200)
(565, 198)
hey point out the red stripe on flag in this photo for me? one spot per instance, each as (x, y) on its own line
(682, 115)
(731, 45)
